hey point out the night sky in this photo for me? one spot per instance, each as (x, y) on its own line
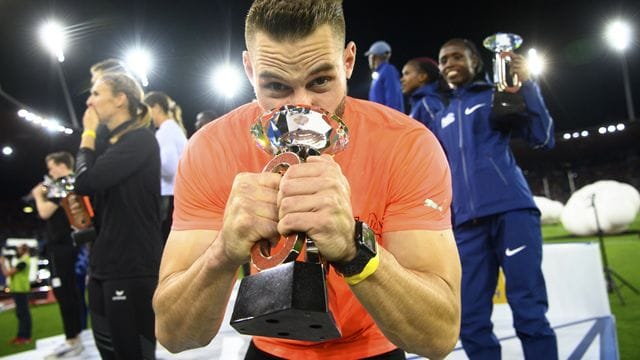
(582, 86)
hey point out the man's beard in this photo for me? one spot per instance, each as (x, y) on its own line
(341, 107)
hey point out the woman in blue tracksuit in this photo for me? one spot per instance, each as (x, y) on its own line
(421, 80)
(496, 222)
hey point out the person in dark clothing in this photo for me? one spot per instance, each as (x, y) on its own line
(125, 184)
(421, 81)
(20, 289)
(62, 254)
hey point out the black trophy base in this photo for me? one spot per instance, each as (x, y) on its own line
(83, 236)
(288, 301)
(506, 106)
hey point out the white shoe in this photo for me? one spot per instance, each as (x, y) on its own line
(66, 350)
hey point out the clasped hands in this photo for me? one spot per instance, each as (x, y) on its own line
(313, 197)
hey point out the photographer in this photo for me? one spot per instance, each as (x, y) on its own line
(62, 254)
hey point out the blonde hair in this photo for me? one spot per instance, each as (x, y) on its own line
(167, 104)
(138, 111)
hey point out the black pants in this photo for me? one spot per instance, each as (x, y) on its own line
(122, 317)
(166, 215)
(65, 287)
(23, 314)
(253, 353)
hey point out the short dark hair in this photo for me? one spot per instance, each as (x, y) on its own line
(293, 19)
(204, 117)
(428, 66)
(472, 49)
(61, 157)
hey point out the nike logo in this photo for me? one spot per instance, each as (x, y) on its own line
(470, 110)
(510, 252)
(447, 120)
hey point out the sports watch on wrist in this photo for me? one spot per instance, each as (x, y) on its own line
(366, 249)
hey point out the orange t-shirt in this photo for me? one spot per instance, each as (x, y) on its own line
(399, 180)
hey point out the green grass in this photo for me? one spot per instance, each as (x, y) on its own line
(45, 321)
(622, 251)
(622, 254)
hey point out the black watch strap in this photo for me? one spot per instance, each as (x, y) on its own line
(366, 249)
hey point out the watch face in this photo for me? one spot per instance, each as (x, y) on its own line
(369, 239)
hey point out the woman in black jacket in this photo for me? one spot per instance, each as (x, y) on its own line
(125, 184)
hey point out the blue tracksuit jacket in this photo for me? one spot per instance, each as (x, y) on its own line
(486, 178)
(425, 103)
(385, 87)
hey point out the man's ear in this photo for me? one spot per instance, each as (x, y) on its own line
(248, 66)
(349, 57)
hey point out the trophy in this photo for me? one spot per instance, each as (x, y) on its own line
(287, 298)
(82, 213)
(506, 100)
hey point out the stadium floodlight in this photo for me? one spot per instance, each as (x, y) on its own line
(7, 150)
(620, 127)
(575, 135)
(566, 136)
(611, 128)
(602, 130)
(227, 80)
(619, 36)
(584, 133)
(536, 62)
(138, 61)
(52, 35)
(51, 125)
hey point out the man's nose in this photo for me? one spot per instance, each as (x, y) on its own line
(302, 97)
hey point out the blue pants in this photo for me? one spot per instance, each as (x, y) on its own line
(513, 241)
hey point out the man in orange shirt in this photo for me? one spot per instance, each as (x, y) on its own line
(393, 175)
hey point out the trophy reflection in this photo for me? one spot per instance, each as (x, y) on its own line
(77, 207)
(287, 297)
(506, 100)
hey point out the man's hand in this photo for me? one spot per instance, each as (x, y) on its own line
(251, 215)
(315, 198)
(518, 66)
(38, 191)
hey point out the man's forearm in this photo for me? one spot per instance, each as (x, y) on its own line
(418, 313)
(190, 305)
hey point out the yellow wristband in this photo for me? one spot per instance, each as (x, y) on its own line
(89, 133)
(368, 270)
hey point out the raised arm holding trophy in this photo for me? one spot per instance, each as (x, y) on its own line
(507, 80)
(226, 205)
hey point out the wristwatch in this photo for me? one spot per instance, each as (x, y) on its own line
(366, 249)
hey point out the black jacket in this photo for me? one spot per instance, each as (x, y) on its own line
(125, 184)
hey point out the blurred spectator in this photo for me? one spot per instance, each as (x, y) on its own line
(63, 255)
(203, 118)
(422, 82)
(20, 289)
(385, 79)
(171, 135)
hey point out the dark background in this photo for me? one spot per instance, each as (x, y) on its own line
(582, 84)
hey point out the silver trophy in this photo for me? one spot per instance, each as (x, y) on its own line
(77, 207)
(287, 298)
(507, 100)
